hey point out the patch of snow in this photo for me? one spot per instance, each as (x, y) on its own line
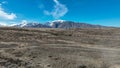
(60, 21)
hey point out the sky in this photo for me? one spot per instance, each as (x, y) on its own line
(100, 12)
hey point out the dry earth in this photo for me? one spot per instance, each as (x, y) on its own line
(59, 48)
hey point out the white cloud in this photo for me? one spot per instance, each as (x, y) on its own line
(13, 23)
(6, 19)
(58, 11)
(3, 24)
(5, 15)
(7, 23)
(24, 22)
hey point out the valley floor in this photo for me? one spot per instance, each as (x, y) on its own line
(59, 48)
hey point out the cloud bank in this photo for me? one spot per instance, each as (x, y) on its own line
(59, 10)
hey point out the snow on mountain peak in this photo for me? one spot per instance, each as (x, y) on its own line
(60, 21)
(51, 23)
(23, 23)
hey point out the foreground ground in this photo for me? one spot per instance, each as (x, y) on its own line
(59, 48)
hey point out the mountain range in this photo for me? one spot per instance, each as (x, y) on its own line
(57, 24)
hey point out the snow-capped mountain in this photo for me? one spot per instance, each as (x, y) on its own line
(56, 24)
(51, 23)
(31, 25)
(70, 24)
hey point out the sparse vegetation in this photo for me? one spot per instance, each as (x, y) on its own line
(59, 48)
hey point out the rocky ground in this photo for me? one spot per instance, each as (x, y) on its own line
(59, 48)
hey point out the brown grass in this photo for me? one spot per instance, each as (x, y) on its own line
(59, 48)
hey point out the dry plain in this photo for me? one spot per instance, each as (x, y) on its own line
(59, 48)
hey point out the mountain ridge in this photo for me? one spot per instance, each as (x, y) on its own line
(57, 24)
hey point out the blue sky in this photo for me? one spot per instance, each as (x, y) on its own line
(102, 12)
